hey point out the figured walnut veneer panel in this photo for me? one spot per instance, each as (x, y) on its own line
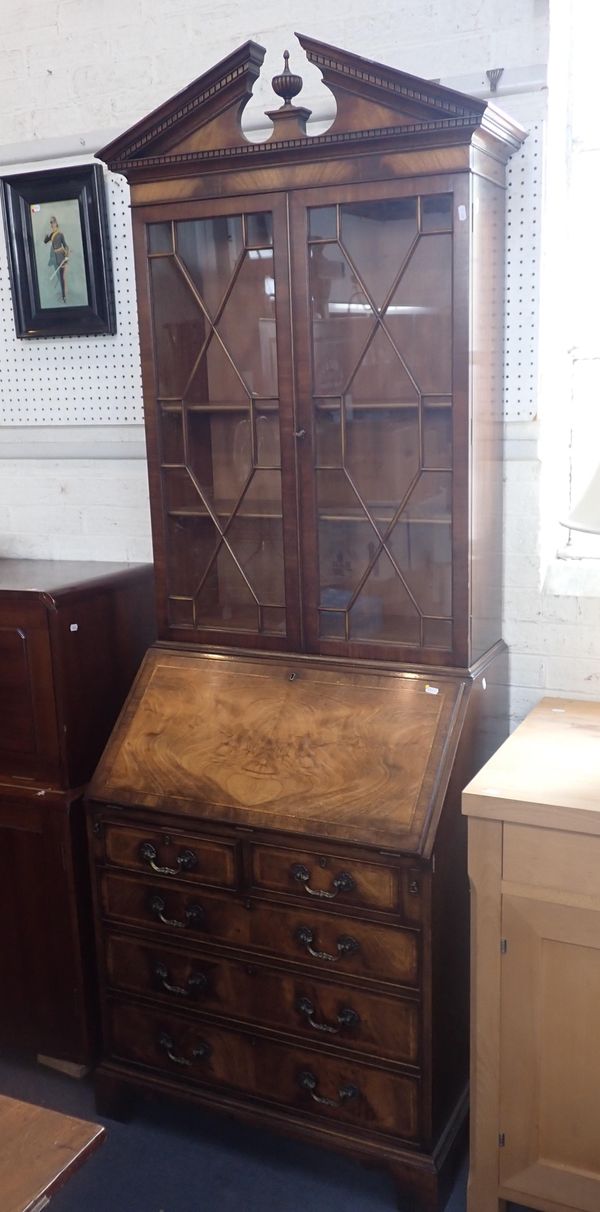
(284, 745)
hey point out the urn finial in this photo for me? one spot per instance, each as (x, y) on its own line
(287, 84)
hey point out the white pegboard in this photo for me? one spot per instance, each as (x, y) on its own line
(77, 380)
(523, 210)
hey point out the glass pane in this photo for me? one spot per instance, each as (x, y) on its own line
(180, 493)
(437, 433)
(342, 319)
(431, 498)
(225, 600)
(436, 213)
(160, 238)
(179, 327)
(273, 619)
(328, 434)
(336, 497)
(247, 325)
(383, 609)
(322, 223)
(345, 549)
(181, 612)
(381, 377)
(377, 236)
(423, 552)
(419, 316)
(215, 379)
(421, 543)
(259, 230)
(171, 437)
(191, 543)
(221, 456)
(257, 544)
(263, 495)
(437, 633)
(382, 457)
(332, 624)
(210, 250)
(268, 450)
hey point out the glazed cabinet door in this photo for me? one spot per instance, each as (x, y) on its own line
(550, 1062)
(215, 334)
(380, 279)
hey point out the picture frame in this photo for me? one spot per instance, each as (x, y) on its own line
(59, 252)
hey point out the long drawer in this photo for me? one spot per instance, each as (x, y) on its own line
(368, 949)
(323, 1012)
(339, 1089)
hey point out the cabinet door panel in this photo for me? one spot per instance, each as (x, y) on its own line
(550, 1065)
(377, 344)
(220, 340)
(29, 743)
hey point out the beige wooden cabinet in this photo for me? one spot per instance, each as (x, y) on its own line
(534, 865)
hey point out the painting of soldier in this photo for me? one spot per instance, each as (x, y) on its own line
(59, 256)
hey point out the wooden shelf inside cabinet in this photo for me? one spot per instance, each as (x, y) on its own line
(444, 404)
(218, 408)
(226, 509)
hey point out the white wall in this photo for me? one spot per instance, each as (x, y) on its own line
(73, 73)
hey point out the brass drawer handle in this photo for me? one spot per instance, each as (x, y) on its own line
(166, 1042)
(194, 914)
(347, 1017)
(341, 883)
(185, 861)
(308, 1081)
(346, 945)
(197, 982)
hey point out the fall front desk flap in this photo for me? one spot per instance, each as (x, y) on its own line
(289, 744)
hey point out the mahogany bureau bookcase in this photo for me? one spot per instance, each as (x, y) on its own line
(72, 635)
(280, 864)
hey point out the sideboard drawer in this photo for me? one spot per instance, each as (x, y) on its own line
(175, 855)
(552, 858)
(338, 1089)
(321, 1011)
(387, 954)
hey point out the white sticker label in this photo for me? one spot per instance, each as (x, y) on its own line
(432, 690)
(74, 627)
(462, 213)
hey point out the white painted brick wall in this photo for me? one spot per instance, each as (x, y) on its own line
(72, 67)
(75, 509)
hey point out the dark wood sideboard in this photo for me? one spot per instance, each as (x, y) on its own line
(72, 635)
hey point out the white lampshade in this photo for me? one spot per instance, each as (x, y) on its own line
(586, 514)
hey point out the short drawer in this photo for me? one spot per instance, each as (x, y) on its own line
(320, 1011)
(335, 879)
(174, 855)
(330, 1087)
(553, 859)
(388, 954)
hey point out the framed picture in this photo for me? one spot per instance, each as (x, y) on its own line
(59, 252)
